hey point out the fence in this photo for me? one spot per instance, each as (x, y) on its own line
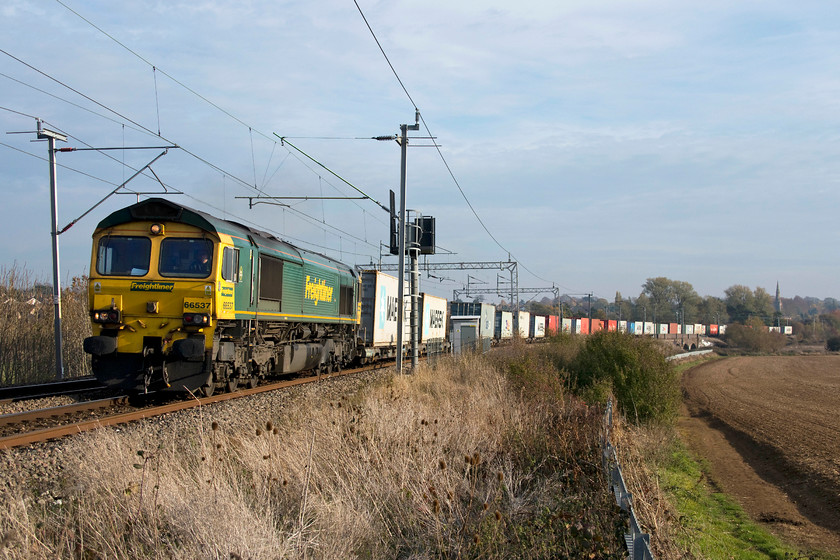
(638, 543)
(688, 355)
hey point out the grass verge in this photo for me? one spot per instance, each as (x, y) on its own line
(467, 459)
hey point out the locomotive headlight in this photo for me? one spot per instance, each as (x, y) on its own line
(196, 319)
(106, 316)
(156, 229)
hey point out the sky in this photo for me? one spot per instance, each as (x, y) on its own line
(596, 143)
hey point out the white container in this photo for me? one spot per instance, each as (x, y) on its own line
(379, 310)
(434, 318)
(537, 326)
(524, 323)
(567, 325)
(504, 325)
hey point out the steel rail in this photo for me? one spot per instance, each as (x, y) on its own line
(48, 434)
(41, 390)
(57, 411)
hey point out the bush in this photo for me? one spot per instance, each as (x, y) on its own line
(833, 344)
(645, 386)
(754, 337)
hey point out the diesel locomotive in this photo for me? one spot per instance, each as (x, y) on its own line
(182, 300)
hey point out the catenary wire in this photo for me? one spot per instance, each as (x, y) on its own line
(189, 89)
(440, 153)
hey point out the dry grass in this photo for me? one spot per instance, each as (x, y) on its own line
(639, 449)
(451, 462)
(27, 345)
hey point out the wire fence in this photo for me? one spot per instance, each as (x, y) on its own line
(638, 543)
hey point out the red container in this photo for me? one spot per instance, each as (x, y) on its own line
(673, 328)
(713, 330)
(584, 326)
(597, 325)
(611, 325)
(553, 325)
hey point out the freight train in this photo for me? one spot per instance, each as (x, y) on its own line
(183, 301)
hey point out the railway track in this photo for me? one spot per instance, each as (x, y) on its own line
(38, 426)
(54, 388)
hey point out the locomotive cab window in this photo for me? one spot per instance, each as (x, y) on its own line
(230, 264)
(186, 258)
(123, 256)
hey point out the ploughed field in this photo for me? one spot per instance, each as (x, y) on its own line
(770, 429)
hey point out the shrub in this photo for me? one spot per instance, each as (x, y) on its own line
(833, 344)
(754, 337)
(633, 369)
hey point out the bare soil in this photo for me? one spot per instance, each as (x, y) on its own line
(769, 428)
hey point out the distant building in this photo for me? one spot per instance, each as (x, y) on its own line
(778, 305)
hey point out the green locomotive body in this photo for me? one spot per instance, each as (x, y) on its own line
(183, 301)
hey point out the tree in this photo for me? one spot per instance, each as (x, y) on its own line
(712, 310)
(743, 303)
(658, 291)
(669, 296)
(642, 309)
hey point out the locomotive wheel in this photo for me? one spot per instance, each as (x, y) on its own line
(208, 389)
(253, 381)
(231, 384)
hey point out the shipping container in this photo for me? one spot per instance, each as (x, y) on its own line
(713, 330)
(673, 328)
(596, 325)
(698, 329)
(379, 310)
(536, 329)
(504, 325)
(622, 326)
(788, 329)
(582, 326)
(721, 329)
(663, 328)
(689, 329)
(524, 323)
(610, 325)
(567, 325)
(552, 327)
(434, 318)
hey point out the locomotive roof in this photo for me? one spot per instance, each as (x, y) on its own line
(159, 209)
